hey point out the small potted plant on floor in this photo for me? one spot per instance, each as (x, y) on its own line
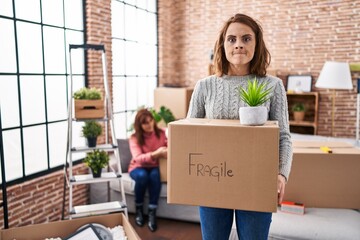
(254, 96)
(298, 111)
(96, 161)
(91, 130)
(88, 103)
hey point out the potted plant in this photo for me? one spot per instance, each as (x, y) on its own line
(88, 103)
(96, 161)
(298, 111)
(91, 130)
(254, 96)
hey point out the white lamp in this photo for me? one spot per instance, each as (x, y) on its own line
(334, 76)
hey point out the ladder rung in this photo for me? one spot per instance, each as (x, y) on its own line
(105, 147)
(98, 208)
(88, 178)
(91, 119)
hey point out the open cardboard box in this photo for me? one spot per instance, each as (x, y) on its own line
(221, 163)
(65, 228)
(325, 180)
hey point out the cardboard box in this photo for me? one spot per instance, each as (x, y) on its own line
(325, 180)
(65, 228)
(220, 163)
(87, 109)
(176, 99)
(163, 169)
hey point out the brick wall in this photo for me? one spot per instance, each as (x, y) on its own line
(301, 36)
(40, 200)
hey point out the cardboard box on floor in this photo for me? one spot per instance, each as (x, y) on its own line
(65, 228)
(163, 169)
(220, 163)
(325, 180)
(176, 99)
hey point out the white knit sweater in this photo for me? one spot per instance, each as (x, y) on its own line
(217, 98)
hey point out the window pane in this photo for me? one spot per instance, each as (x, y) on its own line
(77, 55)
(117, 19)
(131, 93)
(152, 5)
(12, 154)
(57, 143)
(32, 99)
(56, 98)
(77, 139)
(54, 50)
(142, 4)
(131, 54)
(152, 83)
(35, 151)
(30, 47)
(9, 101)
(151, 30)
(73, 14)
(130, 23)
(28, 10)
(118, 62)
(120, 125)
(131, 2)
(119, 94)
(142, 92)
(7, 46)
(52, 12)
(151, 61)
(6, 8)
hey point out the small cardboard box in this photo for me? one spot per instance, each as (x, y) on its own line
(220, 163)
(325, 180)
(65, 228)
(163, 169)
(176, 99)
(87, 109)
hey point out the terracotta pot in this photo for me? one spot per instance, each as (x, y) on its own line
(299, 116)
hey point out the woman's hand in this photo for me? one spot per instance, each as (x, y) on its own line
(281, 187)
(161, 152)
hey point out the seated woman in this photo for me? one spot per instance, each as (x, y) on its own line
(147, 145)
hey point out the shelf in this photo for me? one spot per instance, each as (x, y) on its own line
(302, 123)
(88, 178)
(99, 208)
(90, 119)
(105, 147)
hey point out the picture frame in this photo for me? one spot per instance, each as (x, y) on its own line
(299, 83)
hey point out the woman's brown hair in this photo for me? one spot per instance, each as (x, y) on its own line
(140, 118)
(261, 59)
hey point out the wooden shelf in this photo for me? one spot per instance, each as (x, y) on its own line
(310, 123)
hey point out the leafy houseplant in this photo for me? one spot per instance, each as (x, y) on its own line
(91, 130)
(164, 114)
(254, 96)
(88, 103)
(96, 161)
(298, 111)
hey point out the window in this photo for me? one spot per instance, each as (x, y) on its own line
(134, 65)
(34, 75)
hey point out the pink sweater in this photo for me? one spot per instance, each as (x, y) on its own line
(141, 155)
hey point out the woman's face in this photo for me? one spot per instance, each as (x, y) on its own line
(239, 45)
(148, 125)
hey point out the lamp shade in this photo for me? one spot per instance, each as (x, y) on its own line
(335, 75)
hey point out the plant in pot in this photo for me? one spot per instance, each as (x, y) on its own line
(254, 96)
(88, 103)
(91, 130)
(298, 111)
(96, 161)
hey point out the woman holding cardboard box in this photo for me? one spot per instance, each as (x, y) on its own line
(147, 145)
(240, 55)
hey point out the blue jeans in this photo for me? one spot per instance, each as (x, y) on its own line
(146, 178)
(216, 224)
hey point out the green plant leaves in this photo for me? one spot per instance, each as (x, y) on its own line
(96, 160)
(88, 94)
(91, 129)
(256, 94)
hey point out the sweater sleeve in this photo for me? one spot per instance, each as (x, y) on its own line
(197, 102)
(137, 153)
(279, 112)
